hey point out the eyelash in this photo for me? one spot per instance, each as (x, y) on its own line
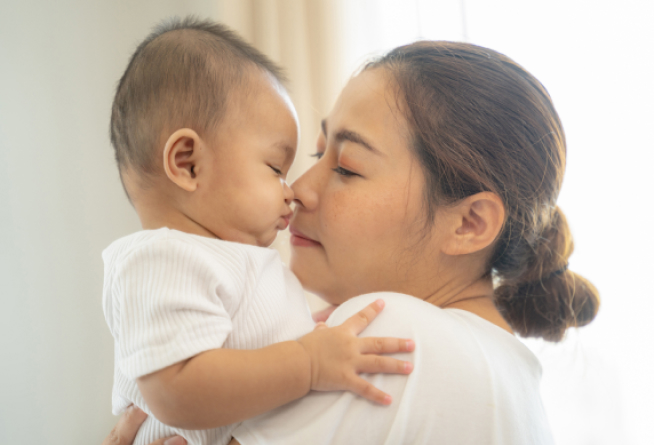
(317, 154)
(341, 171)
(277, 172)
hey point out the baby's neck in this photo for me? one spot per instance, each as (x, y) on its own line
(155, 213)
(176, 222)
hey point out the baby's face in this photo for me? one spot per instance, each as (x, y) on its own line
(245, 197)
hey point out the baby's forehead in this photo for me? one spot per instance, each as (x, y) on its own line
(261, 108)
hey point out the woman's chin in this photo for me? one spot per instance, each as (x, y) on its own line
(303, 273)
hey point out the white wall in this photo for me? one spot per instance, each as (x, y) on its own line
(61, 203)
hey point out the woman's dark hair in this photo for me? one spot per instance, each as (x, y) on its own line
(481, 122)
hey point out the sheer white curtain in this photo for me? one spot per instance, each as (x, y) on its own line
(308, 39)
(595, 60)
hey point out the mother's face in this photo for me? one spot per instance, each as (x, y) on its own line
(359, 209)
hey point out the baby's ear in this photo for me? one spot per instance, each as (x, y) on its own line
(476, 222)
(180, 158)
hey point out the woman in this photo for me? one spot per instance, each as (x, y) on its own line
(436, 183)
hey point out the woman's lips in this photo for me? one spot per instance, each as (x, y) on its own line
(301, 240)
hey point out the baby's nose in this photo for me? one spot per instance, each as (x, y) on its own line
(288, 191)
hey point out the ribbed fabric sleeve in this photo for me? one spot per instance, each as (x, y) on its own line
(169, 296)
(171, 306)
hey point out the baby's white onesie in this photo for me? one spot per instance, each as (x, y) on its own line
(170, 295)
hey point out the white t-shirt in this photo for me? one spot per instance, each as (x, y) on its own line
(169, 295)
(473, 383)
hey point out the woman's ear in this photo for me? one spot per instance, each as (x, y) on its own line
(181, 157)
(476, 223)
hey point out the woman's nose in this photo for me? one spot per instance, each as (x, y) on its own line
(306, 189)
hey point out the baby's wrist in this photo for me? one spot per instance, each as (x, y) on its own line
(308, 367)
(304, 364)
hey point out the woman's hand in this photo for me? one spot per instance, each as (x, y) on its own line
(338, 356)
(128, 425)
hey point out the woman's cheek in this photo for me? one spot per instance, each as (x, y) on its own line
(359, 215)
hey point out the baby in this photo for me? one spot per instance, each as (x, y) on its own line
(210, 328)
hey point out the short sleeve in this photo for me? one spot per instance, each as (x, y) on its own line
(172, 305)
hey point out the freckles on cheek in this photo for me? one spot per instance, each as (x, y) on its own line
(364, 215)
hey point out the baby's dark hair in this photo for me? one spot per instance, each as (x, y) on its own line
(481, 122)
(180, 76)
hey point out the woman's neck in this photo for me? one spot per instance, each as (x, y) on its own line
(475, 297)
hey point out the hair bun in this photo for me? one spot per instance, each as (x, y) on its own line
(546, 299)
(546, 308)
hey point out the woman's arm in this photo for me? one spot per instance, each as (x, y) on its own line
(224, 386)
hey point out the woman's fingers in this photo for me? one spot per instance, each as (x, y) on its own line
(375, 364)
(367, 390)
(386, 345)
(359, 321)
(175, 440)
(128, 425)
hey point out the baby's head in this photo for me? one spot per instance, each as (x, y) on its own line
(204, 134)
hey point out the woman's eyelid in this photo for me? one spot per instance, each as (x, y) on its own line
(344, 172)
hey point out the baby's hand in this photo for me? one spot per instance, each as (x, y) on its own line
(338, 356)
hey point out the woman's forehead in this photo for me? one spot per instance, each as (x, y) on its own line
(368, 106)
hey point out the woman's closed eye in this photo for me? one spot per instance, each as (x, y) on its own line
(277, 171)
(343, 172)
(338, 169)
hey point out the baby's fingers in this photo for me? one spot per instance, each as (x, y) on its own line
(369, 391)
(358, 322)
(385, 345)
(374, 364)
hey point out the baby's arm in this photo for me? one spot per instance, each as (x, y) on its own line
(224, 386)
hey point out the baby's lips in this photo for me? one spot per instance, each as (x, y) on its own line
(285, 221)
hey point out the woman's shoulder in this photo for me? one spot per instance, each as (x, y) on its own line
(460, 336)
(466, 372)
(404, 314)
(396, 306)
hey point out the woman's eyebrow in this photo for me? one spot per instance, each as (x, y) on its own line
(352, 136)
